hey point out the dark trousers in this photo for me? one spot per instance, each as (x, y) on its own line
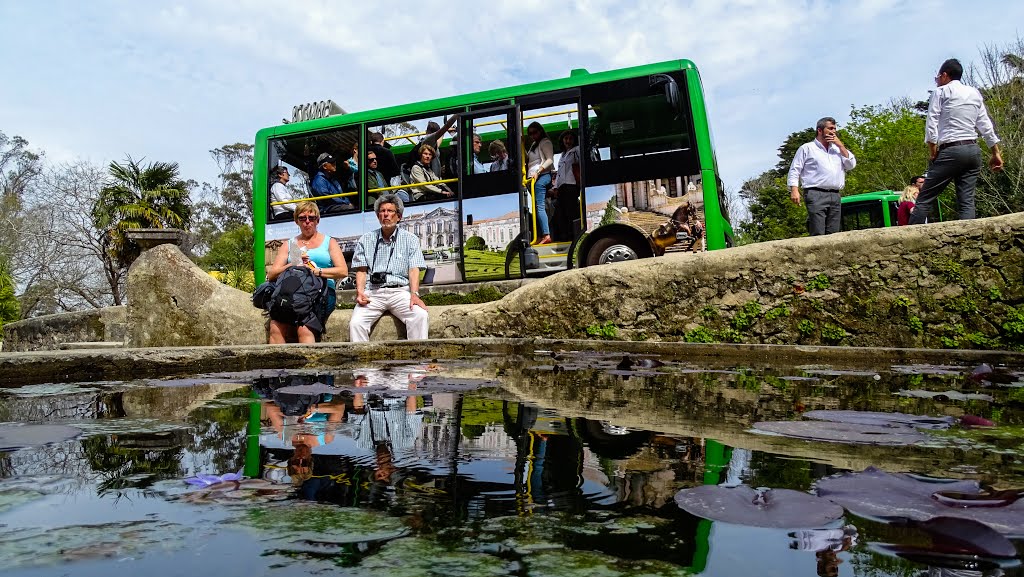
(823, 211)
(960, 164)
(567, 210)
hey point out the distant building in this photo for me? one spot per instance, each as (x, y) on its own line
(436, 229)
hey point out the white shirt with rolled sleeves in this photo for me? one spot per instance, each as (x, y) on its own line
(816, 167)
(957, 112)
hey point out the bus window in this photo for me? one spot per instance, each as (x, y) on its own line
(634, 131)
(862, 215)
(436, 181)
(324, 165)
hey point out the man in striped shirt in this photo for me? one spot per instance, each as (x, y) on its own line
(387, 262)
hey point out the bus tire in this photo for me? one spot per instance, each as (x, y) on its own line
(610, 249)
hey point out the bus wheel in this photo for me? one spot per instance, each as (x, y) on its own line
(610, 249)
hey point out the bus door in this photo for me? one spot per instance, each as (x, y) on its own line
(490, 178)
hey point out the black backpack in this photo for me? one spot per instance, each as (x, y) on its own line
(299, 298)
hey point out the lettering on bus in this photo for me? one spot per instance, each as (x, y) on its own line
(315, 110)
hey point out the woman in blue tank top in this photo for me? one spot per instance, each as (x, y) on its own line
(322, 254)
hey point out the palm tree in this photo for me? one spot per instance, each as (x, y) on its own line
(135, 196)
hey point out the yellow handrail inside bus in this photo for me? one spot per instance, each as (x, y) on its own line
(280, 202)
(413, 185)
(413, 135)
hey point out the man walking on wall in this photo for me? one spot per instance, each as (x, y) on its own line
(821, 166)
(956, 115)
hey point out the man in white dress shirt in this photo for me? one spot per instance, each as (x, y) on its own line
(956, 115)
(821, 166)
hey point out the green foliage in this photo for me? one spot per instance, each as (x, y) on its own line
(699, 335)
(728, 335)
(805, 327)
(915, 324)
(819, 282)
(746, 316)
(611, 213)
(887, 142)
(227, 204)
(950, 270)
(484, 294)
(476, 243)
(10, 310)
(232, 250)
(135, 196)
(832, 333)
(1014, 325)
(708, 313)
(994, 294)
(607, 330)
(902, 302)
(962, 304)
(777, 312)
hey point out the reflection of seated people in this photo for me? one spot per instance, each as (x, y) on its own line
(326, 183)
(279, 192)
(386, 424)
(421, 172)
(499, 154)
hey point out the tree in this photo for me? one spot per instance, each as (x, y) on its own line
(889, 144)
(228, 204)
(476, 243)
(773, 215)
(231, 251)
(1000, 78)
(9, 308)
(136, 197)
(19, 169)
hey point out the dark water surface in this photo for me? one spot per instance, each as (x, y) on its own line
(556, 464)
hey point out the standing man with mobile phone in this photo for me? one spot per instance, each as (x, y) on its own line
(821, 166)
(956, 115)
(387, 262)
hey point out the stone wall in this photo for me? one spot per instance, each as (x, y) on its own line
(943, 285)
(54, 331)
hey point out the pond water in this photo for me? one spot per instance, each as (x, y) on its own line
(545, 465)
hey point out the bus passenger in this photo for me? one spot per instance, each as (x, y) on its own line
(907, 201)
(374, 178)
(352, 164)
(422, 172)
(499, 155)
(326, 183)
(433, 138)
(540, 158)
(566, 190)
(387, 262)
(386, 163)
(478, 167)
(279, 193)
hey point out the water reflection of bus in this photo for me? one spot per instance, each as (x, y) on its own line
(648, 174)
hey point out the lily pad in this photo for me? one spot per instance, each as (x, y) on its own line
(776, 508)
(951, 395)
(441, 382)
(849, 433)
(13, 436)
(877, 494)
(883, 419)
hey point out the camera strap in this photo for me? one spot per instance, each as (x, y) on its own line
(380, 241)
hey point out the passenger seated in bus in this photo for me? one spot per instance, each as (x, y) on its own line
(540, 158)
(352, 164)
(326, 183)
(374, 178)
(499, 154)
(279, 192)
(433, 138)
(478, 167)
(386, 163)
(421, 172)
(566, 191)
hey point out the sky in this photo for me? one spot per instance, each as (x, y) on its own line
(169, 81)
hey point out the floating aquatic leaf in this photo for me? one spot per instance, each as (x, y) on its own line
(877, 494)
(883, 419)
(975, 421)
(951, 395)
(48, 389)
(445, 383)
(985, 374)
(310, 389)
(891, 435)
(778, 508)
(634, 363)
(15, 436)
(952, 542)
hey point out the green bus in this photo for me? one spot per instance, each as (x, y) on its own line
(872, 210)
(648, 174)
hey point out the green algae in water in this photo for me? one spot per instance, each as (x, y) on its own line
(34, 547)
(416, 557)
(593, 564)
(328, 523)
(12, 498)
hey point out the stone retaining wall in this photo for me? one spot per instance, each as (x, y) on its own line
(52, 331)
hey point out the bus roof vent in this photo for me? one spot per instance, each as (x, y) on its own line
(578, 72)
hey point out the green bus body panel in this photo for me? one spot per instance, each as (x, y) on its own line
(716, 227)
(883, 196)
